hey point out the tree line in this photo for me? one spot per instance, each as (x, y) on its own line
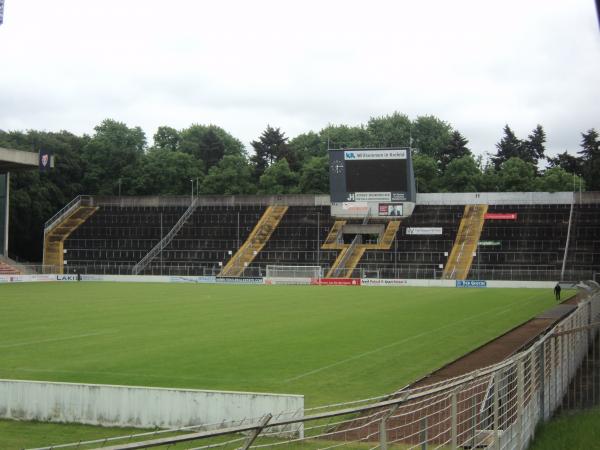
(117, 159)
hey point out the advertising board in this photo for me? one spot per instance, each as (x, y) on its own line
(339, 281)
(239, 280)
(382, 282)
(390, 209)
(424, 231)
(501, 216)
(471, 283)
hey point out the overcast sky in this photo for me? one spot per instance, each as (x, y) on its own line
(69, 64)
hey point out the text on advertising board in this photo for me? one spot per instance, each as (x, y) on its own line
(501, 216)
(374, 154)
(471, 283)
(423, 231)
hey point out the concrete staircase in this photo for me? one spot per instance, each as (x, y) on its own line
(331, 241)
(6, 269)
(460, 259)
(61, 226)
(256, 241)
(351, 254)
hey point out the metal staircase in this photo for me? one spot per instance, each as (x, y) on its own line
(460, 259)
(166, 240)
(256, 241)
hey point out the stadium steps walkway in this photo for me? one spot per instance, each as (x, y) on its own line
(467, 238)
(166, 240)
(388, 236)
(55, 236)
(256, 241)
(331, 241)
(6, 269)
(351, 254)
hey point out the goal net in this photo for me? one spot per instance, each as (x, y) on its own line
(293, 274)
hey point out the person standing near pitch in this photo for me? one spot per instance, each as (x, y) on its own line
(557, 291)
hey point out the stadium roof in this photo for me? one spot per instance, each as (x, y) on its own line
(13, 160)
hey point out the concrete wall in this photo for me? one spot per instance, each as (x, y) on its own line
(466, 198)
(133, 406)
(496, 198)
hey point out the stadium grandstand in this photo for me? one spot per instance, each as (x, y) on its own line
(510, 236)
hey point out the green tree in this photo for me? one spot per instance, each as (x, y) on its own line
(508, 147)
(426, 173)
(344, 136)
(209, 143)
(167, 172)
(307, 145)
(534, 146)
(456, 148)
(166, 138)
(35, 197)
(390, 131)
(272, 146)
(462, 175)
(112, 156)
(314, 177)
(557, 179)
(590, 154)
(430, 136)
(516, 175)
(232, 175)
(569, 163)
(278, 179)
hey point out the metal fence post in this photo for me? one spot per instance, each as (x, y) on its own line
(424, 433)
(254, 434)
(520, 399)
(496, 410)
(454, 422)
(383, 426)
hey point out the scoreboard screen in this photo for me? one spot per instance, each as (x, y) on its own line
(378, 175)
(371, 175)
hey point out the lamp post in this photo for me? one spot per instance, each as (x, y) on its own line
(192, 181)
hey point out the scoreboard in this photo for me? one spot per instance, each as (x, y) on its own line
(375, 181)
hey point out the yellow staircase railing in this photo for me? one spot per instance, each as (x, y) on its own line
(256, 241)
(388, 237)
(460, 259)
(336, 264)
(351, 254)
(331, 241)
(353, 259)
(55, 237)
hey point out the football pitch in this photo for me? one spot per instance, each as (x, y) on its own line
(330, 344)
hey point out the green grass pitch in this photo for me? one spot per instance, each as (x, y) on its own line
(329, 343)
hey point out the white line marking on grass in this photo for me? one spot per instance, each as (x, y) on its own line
(407, 339)
(65, 338)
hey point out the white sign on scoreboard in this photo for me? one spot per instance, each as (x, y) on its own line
(361, 155)
(372, 196)
(424, 231)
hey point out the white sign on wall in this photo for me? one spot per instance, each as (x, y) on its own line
(424, 231)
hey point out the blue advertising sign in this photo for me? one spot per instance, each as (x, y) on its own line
(471, 283)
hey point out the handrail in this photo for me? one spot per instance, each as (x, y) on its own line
(357, 240)
(86, 200)
(166, 240)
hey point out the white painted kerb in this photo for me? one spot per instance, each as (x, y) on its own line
(135, 406)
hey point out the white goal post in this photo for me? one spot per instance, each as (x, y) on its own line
(293, 274)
